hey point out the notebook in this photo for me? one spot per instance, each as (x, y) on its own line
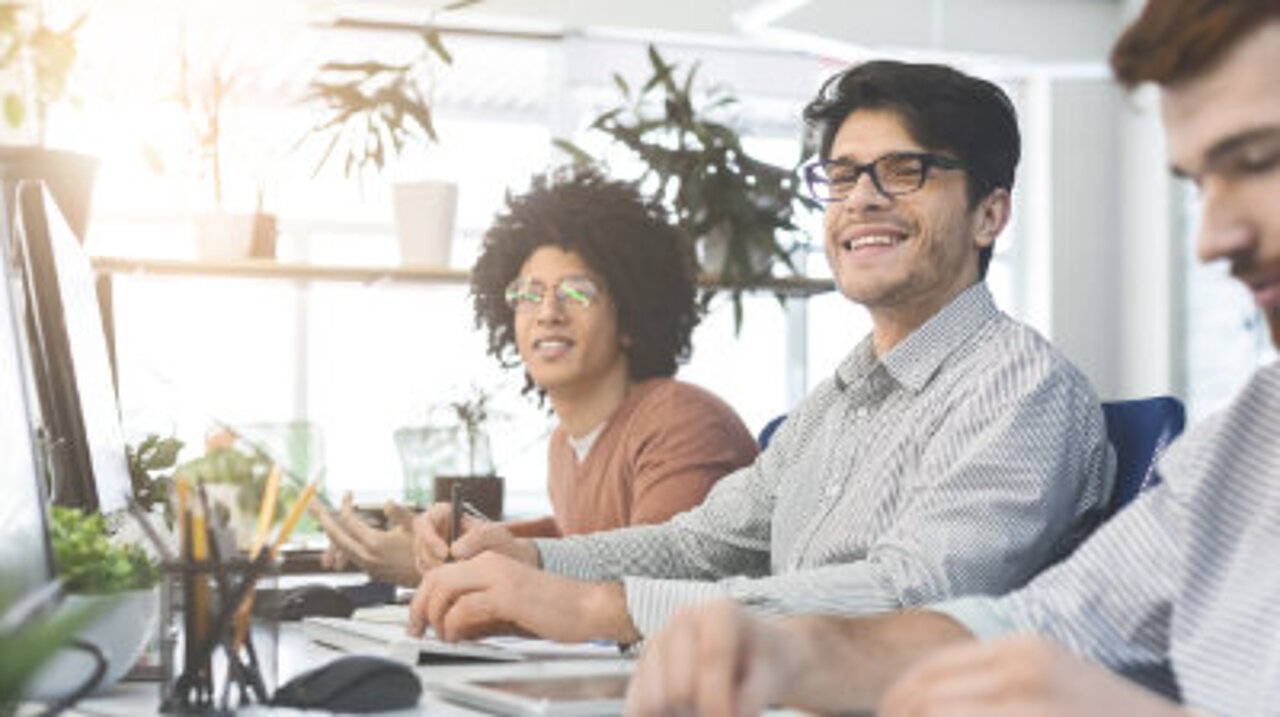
(381, 631)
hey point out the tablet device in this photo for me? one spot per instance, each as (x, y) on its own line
(590, 693)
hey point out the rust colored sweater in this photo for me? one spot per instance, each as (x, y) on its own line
(657, 455)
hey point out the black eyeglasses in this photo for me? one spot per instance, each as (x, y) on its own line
(893, 174)
(575, 293)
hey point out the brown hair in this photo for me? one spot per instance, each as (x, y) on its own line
(1173, 40)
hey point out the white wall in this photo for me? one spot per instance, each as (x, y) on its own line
(1102, 234)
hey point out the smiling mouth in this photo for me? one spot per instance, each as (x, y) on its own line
(552, 344)
(871, 240)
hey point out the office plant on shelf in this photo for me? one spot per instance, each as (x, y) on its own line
(739, 210)
(376, 110)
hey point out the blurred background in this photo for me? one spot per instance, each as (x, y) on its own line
(197, 108)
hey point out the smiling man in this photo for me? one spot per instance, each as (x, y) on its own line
(1174, 597)
(954, 451)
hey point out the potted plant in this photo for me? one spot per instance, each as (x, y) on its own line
(149, 472)
(114, 582)
(224, 230)
(452, 448)
(738, 209)
(36, 62)
(374, 111)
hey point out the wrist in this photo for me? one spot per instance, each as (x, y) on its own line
(526, 551)
(605, 606)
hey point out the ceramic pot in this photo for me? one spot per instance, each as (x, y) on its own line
(121, 632)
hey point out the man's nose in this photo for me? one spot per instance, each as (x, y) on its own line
(550, 308)
(864, 192)
(1226, 229)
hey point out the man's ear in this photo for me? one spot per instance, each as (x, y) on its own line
(990, 217)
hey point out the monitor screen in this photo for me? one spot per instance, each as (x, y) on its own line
(79, 412)
(26, 561)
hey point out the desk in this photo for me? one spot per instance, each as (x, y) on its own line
(297, 654)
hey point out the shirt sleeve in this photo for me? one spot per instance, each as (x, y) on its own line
(1000, 486)
(727, 534)
(1110, 602)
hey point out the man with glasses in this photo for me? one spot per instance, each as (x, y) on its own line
(1176, 597)
(954, 451)
(591, 291)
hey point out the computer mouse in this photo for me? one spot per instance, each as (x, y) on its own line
(310, 601)
(353, 683)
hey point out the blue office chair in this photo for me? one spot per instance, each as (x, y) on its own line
(766, 433)
(1139, 430)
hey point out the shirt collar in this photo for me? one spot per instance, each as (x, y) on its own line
(914, 361)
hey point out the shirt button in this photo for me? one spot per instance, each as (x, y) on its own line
(862, 412)
(833, 490)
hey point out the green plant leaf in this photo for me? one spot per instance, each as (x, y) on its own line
(577, 154)
(431, 36)
(15, 110)
(89, 562)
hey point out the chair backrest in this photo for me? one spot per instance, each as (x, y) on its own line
(1139, 430)
(766, 433)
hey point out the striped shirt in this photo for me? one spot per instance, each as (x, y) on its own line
(1181, 590)
(968, 458)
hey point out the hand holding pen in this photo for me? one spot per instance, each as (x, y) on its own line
(457, 531)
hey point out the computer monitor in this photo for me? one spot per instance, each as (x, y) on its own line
(26, 560)
(79, 414)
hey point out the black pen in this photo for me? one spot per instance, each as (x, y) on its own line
(455, 517)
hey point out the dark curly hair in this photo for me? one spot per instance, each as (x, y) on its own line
(646, 263)
(942, 108)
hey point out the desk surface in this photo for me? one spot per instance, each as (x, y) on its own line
(296, 654)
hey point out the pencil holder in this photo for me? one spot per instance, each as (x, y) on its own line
(212, 655)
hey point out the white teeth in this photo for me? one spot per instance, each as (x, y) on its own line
(872, 240)
(551, 344)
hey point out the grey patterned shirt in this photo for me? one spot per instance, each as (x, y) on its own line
(1181, 590)
(965, 461)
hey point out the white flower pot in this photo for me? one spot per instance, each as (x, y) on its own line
(120, 632)
(424, 213)
(231, 236)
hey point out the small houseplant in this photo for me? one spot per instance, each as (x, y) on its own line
(740, 209)
(453, 447)
(234, 471)
(376, 110)
(205, 88)
(113, 581)
(36, 64)
(38, 60)
(149, 472)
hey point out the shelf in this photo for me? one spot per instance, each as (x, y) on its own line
(271, 269)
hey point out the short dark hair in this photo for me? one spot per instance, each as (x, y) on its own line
(943, 109)
(1174, 40)
(646, 263)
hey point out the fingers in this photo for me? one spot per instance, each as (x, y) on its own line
(463, 600)
(430, 548)
(480, 536)
(398, 515)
